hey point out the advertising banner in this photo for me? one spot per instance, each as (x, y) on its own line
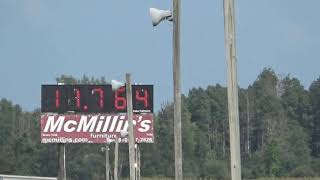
(76, 128)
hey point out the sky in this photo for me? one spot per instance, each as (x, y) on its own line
(42, 39)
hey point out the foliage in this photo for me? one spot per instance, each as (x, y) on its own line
(279, 132)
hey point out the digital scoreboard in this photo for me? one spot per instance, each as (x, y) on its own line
(95, 99)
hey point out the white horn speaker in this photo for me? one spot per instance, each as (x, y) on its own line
(158, 15)
(109, 141)
(116, 84)
(124, 133)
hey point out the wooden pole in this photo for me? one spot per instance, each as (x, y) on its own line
(248, 123)
(177, 90)
(138, 163)
(62, 162)
(233, 105)
(62, 175)
(130, 121)
(107, 161)
(116, 158)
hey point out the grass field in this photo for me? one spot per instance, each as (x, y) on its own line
(284, 178)
(289, 178)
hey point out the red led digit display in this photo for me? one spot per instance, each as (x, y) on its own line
(101, 96)
(95, 99)
(120, 102)
(78, 98)
(74, 97)
(52, 98)
(57, 101)
(143, 98)
(142, 101)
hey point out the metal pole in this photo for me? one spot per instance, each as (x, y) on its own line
(107, 162)
(130, 121)
(177, 90)
(62, 175)
(62, 162)
(116, 158)
(233, 106)
(248, 124)
(138, 163)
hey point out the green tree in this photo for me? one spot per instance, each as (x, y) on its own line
(297, 103)
(279, 121)
(164, 140)
(294, 150)
(272, 159)
(315, 101)
(269, 116)
(218, 121)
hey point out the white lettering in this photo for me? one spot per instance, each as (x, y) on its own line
(120, 123)
(67, 127)
(84, 125)
(106, 125)
(99, 126)
(145, 126)
(54, 126)
(113, 124)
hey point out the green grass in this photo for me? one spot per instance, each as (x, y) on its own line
(290, 178)
(284, 178)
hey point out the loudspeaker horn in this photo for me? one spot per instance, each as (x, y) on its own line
(116, 84)
(124, 133)
(158, 15)
(109, 141)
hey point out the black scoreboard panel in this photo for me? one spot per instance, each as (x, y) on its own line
(95, 99)
(142, 98)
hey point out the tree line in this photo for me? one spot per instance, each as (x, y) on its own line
(279, 127)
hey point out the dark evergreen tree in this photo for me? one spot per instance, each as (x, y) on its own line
(279, 132)
(315, 101)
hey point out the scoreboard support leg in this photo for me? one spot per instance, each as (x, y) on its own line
(138, 161)
(107, 162)
(62, 161)
(131, 133)
(116, 158)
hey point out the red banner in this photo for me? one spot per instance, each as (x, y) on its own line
(94, 128)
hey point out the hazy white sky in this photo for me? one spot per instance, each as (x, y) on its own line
(42, 39)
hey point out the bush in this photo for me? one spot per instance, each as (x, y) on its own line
(316, 166)
(217, 169)
(302, 171)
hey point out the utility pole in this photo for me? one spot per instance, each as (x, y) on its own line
(177, 90)
(62, 157)
(248, 124)
(107, 161)
(130, 121)
(62, 161)
(138, 163)
(233, 105)
(116, 158)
